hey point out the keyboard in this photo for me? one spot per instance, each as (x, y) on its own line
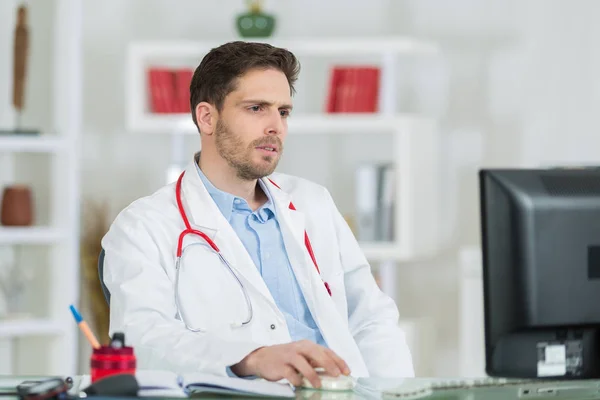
(417, 388)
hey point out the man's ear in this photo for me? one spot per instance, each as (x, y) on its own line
(206, 116)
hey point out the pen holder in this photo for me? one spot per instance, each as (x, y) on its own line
(108, 360)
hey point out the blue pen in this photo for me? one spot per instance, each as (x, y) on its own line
(84, 327)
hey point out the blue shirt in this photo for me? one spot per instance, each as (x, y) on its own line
(260, 233)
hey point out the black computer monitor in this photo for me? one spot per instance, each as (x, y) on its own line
(540, 232)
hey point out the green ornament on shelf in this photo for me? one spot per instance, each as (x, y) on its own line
(255, 23)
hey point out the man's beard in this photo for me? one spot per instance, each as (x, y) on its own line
(231, 147)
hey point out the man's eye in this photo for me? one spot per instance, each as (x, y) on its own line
(285, 113)
(255, 108)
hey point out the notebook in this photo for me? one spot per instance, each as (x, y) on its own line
(170, 384)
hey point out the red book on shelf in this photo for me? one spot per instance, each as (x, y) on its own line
(162, 90)
(355, 102)
(334, 81)
(183, 78)
(370, 84)
(353, 90)
(365, 84)
(170, 92)
(375, 88)
(360, 102)
(340, 88)
(347, 90)
(155, 98)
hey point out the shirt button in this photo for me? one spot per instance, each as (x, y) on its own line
(237, 201)
(272, 326)
(267, 255)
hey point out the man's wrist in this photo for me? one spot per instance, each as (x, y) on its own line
(247, 366)
(238, 369)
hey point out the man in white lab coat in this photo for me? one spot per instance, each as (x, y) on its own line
(292, 291)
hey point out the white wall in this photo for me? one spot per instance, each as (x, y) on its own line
(518, 86)
(516, 75)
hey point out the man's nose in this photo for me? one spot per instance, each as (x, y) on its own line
(276, 124)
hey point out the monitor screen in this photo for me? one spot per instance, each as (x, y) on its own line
(540, 236)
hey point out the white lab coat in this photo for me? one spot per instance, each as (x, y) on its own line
(359, 322)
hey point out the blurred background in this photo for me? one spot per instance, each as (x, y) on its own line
(398, 105)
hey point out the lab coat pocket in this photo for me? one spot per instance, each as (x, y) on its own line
(210, 295)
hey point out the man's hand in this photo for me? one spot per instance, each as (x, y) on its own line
(291, 361)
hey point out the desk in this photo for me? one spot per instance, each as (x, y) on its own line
(380, 389)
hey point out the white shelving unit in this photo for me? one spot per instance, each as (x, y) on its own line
(31, 327)
(414, 137)
(33, 144)
(317, 46)
(339, 123)
(47, 342)
(35, 235)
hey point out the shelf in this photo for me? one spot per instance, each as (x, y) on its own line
(29, 327)
(383, 252)
(297, 124)
(345, 123)
(317, 46)
(31, 144)
(141, 55)
(29, 235)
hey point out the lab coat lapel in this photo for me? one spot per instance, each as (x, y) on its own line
(207, 217)
(333, 328)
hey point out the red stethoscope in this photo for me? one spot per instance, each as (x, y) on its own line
(208, 241)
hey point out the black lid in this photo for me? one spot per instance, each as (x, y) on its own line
(118, 340)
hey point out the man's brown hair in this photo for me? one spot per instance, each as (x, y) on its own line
(217, 74)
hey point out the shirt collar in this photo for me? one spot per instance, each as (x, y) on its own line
(228, 202)
(267, 211)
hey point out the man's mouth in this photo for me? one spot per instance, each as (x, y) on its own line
(268, 148)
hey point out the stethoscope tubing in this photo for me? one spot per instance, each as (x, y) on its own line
(178, 264)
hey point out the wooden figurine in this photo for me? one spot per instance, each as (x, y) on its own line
(21, 49)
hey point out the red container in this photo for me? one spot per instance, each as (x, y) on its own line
(107, 361)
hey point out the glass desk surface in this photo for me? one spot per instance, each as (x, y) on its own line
(408, 389)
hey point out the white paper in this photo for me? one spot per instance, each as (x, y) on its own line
(205, 382)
